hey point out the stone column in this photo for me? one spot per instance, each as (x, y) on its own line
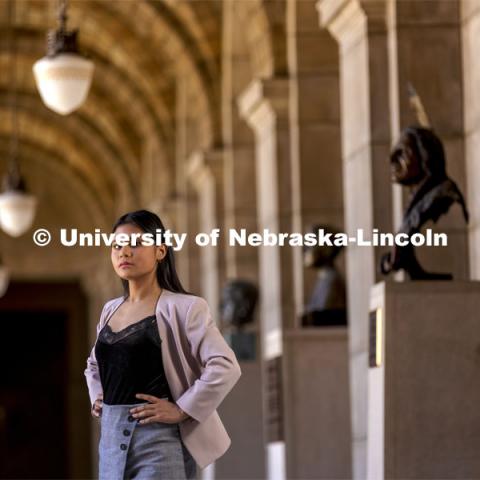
(265, 106)
(156, 175)
(240, 207)
(239, 146)
(205, 174)
(313, 64)
(470, 22)
(180, 200)
(315, 130)
(360, 30)
(425, 49)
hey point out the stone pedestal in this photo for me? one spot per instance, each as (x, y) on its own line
(423, 388)
(317, 403)
(242, 415)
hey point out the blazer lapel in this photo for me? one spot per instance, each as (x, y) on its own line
(168, 342)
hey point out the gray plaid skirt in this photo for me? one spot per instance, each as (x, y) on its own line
(128, 449)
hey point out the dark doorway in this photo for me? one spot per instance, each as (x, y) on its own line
(38, 358)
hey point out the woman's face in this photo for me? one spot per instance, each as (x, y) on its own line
(130, 261)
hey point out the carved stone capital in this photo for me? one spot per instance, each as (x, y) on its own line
(349, 20)
(265, 101)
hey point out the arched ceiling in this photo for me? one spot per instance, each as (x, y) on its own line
(139, 48)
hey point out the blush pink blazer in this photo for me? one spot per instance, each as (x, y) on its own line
(199, 365)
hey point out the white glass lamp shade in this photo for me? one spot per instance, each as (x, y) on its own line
(63, 81)
(17, 211)
(4, 279)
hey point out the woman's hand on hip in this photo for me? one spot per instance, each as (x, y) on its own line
(157, 410)
(97, 406)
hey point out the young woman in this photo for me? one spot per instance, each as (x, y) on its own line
(159, 367)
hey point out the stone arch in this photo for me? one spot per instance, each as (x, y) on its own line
(117, 58)
(81, 156)
(263, 22)
(32, 152)
(114, 120)
(122, 42)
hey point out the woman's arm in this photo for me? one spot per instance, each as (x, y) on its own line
(91, 372)
(220, 369)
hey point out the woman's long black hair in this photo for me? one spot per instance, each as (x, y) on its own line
(166, 274)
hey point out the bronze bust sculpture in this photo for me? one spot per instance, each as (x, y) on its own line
(237, 308)
(327, 305)
(418, 161)
(239, 298)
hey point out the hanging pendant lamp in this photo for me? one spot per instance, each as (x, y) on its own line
(17, 206)
(64, 76)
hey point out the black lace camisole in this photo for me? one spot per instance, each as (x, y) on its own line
(130, 362)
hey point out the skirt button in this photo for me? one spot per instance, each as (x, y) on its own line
(123, 446)
(130, 418)
(126, 432)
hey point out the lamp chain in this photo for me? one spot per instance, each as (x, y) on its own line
(13, 163)
(62, 15)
